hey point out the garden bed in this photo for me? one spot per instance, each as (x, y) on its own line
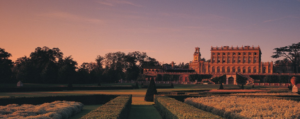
(53, 110)
(170, 108)
(247, 107)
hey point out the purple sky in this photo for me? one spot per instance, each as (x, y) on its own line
(168, 30)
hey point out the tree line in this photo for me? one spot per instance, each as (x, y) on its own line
(46, 65)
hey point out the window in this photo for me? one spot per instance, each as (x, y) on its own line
(244, 70)
(239, 53)
(254, 70)
(249, 59)
(223, 60)
(223, 53)
(244, 60)
(239, 59)
(233, 53)
(254, 61)
(213, 53)
(244, 53)
(218, 53)
(228, 53)
(255, 53)
(228, 60)
(213, 69)
(239, 70)
(228, 69)
(249, 53)
(233, 69)
(249, 69)
(223, 69)
(218, 69)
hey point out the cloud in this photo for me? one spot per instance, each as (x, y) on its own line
(117, 2)
(187, 16)
(281, 18)
(72, 17)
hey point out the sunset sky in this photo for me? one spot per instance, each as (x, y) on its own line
(168, 30)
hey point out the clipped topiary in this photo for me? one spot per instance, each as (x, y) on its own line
(151, 91)
(221, 86)
(172, 86)
(136, 85)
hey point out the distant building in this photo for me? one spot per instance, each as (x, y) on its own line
(224, 60)
(231, 60)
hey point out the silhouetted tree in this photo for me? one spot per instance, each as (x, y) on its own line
(151, 91)
(291, 52)
(241, 80)
(158, 77)
(43, 61)
(5, 66)
(67, 70)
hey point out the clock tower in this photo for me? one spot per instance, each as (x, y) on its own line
(197, 55)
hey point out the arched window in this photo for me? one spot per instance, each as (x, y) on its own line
(264, 70)
(228, 69)
(244, 70)
(218, 69)
(233, 69)
(213, 69)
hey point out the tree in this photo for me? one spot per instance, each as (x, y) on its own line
(282, 66)
(241, 80)
(67, 70)
(151, 91)
(5, 66)
(166, 77)
(158, 77)
(42, 62)
(291, 52)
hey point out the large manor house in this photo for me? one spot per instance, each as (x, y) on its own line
(226, 60)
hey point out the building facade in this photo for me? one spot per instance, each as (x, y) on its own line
(231, 60)
(223, 61)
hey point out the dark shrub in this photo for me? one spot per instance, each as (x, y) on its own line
(151, 91)
(221, 86)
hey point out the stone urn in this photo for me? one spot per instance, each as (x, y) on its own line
(293, 80)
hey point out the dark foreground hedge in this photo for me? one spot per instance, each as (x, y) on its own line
(170, 108)
(118, 108)
(85, 99)
(33, 89)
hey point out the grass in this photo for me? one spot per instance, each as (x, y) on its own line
(86, 109)
(144, 112)
(247, 107)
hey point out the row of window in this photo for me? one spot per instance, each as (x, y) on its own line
(238, 70)
(234, 60)
(244, 53)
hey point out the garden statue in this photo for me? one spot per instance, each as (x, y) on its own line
(19, 84)
(293, 82)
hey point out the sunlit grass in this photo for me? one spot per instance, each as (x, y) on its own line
(247, 107)
(55, 110)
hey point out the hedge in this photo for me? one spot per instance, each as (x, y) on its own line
(34, 89)
(85, 99)
(170, 108)
(118, 108)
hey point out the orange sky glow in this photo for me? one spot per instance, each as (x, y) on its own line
(165, 30)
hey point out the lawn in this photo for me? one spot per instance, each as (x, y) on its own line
(86, 109)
